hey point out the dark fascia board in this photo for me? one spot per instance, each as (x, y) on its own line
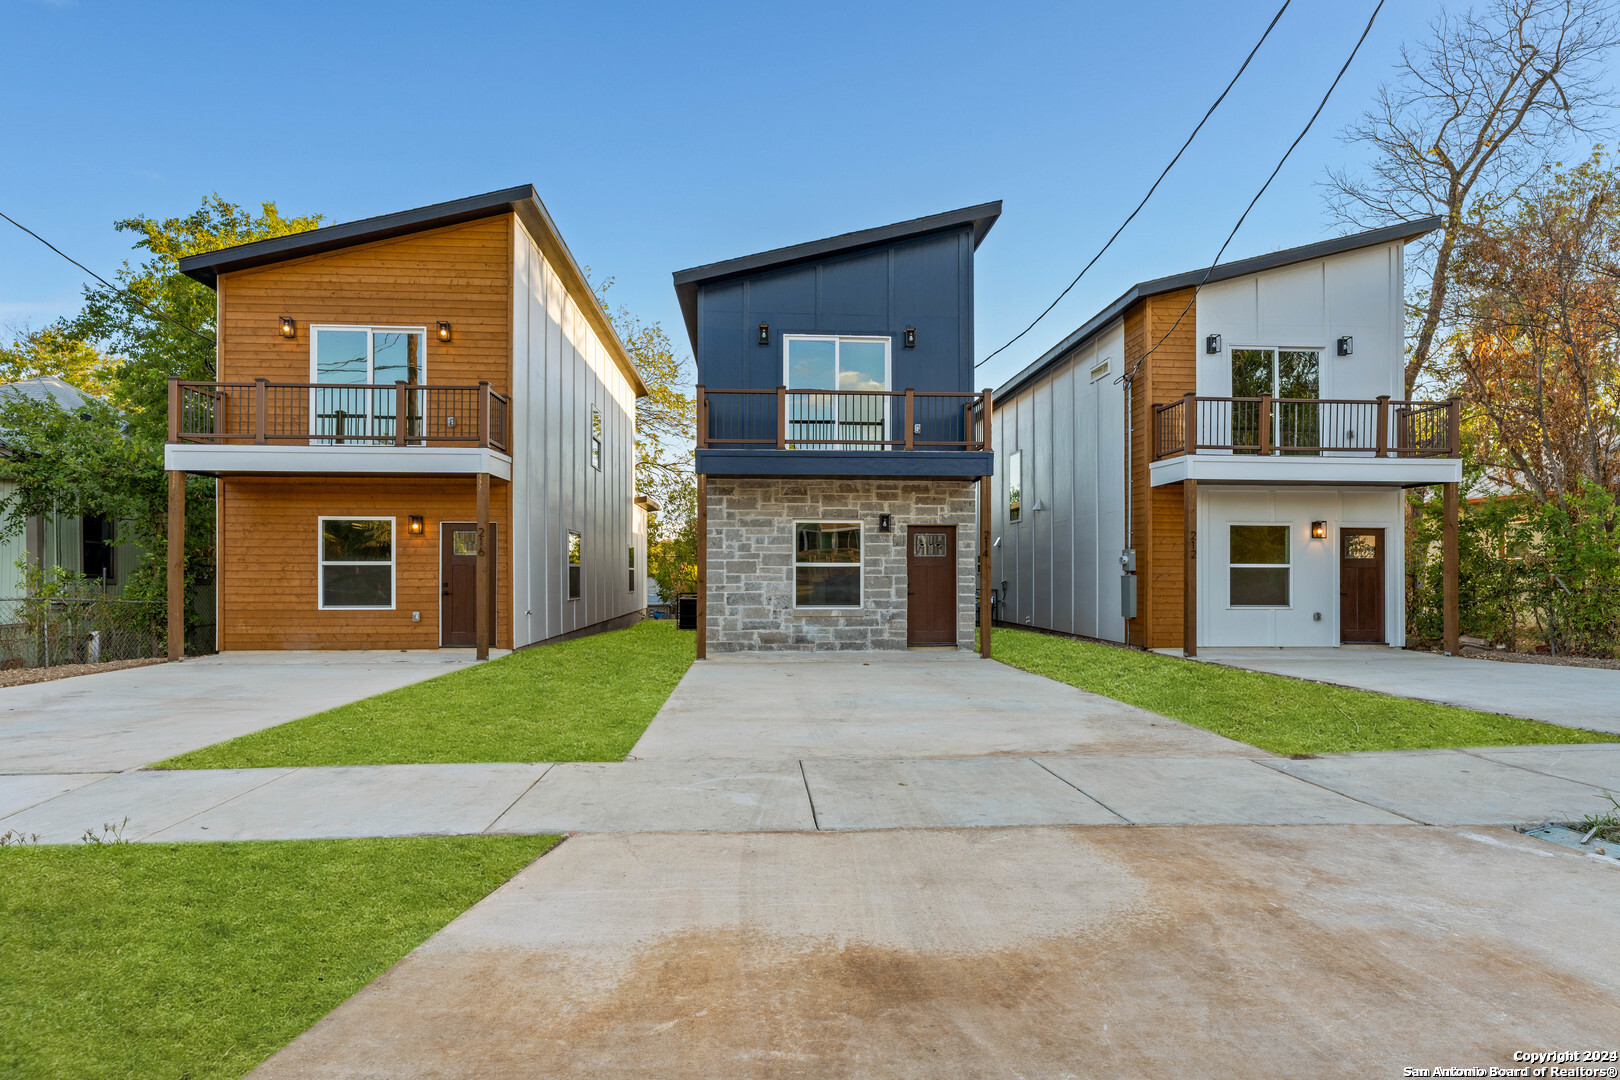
(524, 201)
(981, 217)
(1404, 232)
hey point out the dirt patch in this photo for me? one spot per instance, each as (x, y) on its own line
(1479, 652)
(25, 676)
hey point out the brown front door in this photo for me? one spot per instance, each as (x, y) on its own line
(931, 585)
(458, 583)
(1361, 585)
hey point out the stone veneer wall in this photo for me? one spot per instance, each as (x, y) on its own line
(750, 603)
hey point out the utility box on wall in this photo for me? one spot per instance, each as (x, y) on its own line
(1127, 596)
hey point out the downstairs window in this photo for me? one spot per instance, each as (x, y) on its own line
(827, 564)
(1259, 567)
(356, 563)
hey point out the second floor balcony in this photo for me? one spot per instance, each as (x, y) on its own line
(264, 426)
(902, 433)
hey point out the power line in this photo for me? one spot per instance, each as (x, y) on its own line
(1150, 190)
(1281, 161)
(154, 312)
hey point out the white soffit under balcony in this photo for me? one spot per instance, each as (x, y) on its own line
(1312, 469)
(357, 460)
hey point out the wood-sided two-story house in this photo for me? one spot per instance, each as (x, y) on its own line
(842, 454)
(1225, 464)
(423, 432)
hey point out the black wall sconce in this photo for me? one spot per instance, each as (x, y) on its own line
(911, 337)
(1347, 345)
(415, 525)
(764, 333)
(444, 331)
(1212, 344)
(1318, 530)
(289, 329)
(885, 523)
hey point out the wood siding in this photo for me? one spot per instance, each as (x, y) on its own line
(1156, 513)
(269, 560)
(461, 275)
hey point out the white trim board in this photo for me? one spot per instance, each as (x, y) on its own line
(354, 460)
(1289, 469)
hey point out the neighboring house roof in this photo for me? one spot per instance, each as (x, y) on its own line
(524, 201)
(981, 217)
(1404, 232)
(47, 388)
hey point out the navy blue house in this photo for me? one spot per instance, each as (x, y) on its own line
(842, 452)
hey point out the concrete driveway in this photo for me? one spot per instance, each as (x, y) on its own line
(117, 720)
(1572, 696)
(1043, 952)
(901, 705)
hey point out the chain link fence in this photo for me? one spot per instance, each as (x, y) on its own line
(43, 632)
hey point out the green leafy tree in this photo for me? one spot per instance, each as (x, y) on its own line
(51, 350)
(672, 541)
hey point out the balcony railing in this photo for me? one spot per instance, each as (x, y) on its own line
(330, 414)
(783, 419)
(1266, 425)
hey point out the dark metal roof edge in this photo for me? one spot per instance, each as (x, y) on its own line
(1405, 231)
(982, 217)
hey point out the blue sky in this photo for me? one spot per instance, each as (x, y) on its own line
(663, 136)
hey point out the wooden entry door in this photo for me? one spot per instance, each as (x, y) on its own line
(1361, 584)
(931, 585)
(458, 583)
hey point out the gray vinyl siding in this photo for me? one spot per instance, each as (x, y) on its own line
(559, 371)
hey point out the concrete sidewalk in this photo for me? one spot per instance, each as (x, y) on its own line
(1571, 696)
(1046, 952)
(116, 720)
(1435, 787)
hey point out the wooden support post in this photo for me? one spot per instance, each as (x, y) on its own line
(1454, 427)
(1189, 581)
(177, 565)
(174, 410)
(1448, 571)
(400, 410)
(261, 410)
(781, 417)
(1189, 423)
(702, 560)
(483, 610)
(985, 567)
(1383, 427)
(910, 423)
(702, 419)
(988, 409)
(483, 416)
(1265, 424)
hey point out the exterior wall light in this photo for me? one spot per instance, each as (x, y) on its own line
(885, 522)
(911, 337)
(1347, 345)
(1212, 344)
(289, 329)
(1318, 530)
(444, 331)
(415, 525)
(764, 333)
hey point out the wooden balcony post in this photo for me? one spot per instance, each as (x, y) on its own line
(910, 405)
(1448, 571)
(702, 417)
(1265, 425)
(177, 564)
(1189, 423)
(261, 407)
(483, 416)
(1383, 426)
(988, 409)
(781, 417)
(483, 610)
(399, 412)
(1454, 427)
(174, 410)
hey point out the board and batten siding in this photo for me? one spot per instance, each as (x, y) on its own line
(1060, 563)
(560, 369)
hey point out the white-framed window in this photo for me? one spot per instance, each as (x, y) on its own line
(356, 563)
(1258, 565)
(574, 568)
(812, 362)
(827, 566)
(1015, 485)
(596, 438)
(1288, 374)
(345, 359)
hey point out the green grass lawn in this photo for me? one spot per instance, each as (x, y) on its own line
(583, 700)
(198, 961)
(1285, 716)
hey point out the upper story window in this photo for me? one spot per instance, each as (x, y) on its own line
(1015, 484)
(811, 363)
(596, 438)
(345, 360)
(1282, 373)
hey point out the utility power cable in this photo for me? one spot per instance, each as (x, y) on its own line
(1210, 112)
(1297, 139)
(154, 312)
